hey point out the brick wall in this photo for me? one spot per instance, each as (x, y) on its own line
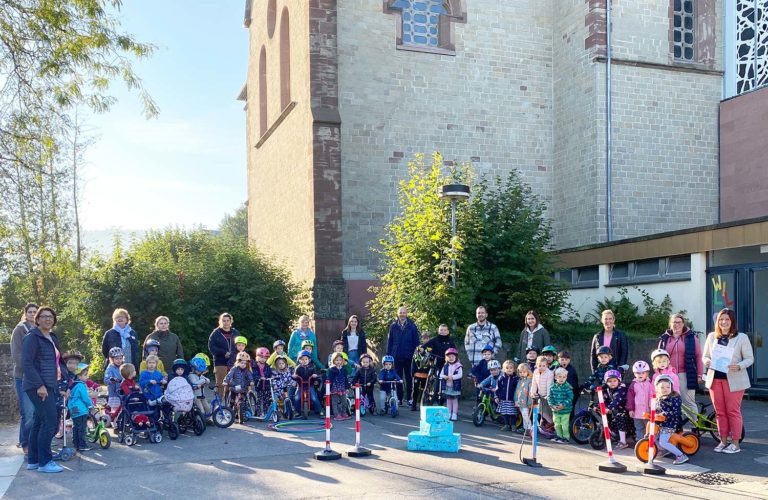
(9, 408)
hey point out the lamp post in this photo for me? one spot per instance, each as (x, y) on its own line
(454, 193)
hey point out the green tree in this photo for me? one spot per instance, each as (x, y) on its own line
(499, 248)
(191, 277)
(234, 227)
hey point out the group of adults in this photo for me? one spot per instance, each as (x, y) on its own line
(38, 365)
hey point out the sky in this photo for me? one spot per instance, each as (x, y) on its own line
(187, 167)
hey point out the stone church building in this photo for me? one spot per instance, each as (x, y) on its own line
(340, 94)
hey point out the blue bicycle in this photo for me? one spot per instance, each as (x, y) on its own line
(220, 414)
(273, 412)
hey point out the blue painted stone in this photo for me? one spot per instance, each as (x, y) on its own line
(435, 414)
(436, 430)
(420, 442)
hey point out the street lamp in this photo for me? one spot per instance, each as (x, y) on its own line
(454, 193)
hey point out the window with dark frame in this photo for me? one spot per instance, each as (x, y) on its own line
(683, 21)
(426, 25)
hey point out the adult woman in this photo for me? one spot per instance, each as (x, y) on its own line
(299, 335)
(727, 382)
(41, 360)
(354, 340)
(533, 335)
(170, 345)
(610, 337)
(26, 409)
(121, 335)
(684, 350)
(222, 348)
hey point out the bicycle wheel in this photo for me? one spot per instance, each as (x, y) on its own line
(90, 429)
(393, 407)
(712, 417)
(478, 415)
(582, 428)
(223, 417)
(288, 409)
(253, 404)
(198, 424)
(427, 397)
(597, 439)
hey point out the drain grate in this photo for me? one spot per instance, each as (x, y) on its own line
(712, 478)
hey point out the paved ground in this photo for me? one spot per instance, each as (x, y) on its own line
(255, 461)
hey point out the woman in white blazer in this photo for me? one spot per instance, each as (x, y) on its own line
(726, 388)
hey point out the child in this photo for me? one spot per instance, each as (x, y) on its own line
(240, 344)
(283, 375)
(305, 372)
(480, 371)
(387, 375)
(309, 346)
(80, 406)
(560, 400)
(531, 355)
(522, 391)
(660, 360)
(365, 375)
(152, 346)
(639, 396)
(261, 375)
(72, 359)
(506, 386)
(451, 375)
(420, 371)
(616, 406)
(339, 386)
(198, 381)
(549, 352)
(128, 372)
(112, 377)
(338, 346)
(564, 360)
(604, 357)
(239, 377)
(278, 349)
(151, 380)
(540, 384)
(670, 406)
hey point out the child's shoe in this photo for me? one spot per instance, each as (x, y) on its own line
(506, 428)
(680, 460)
(50, 467)
(85, 448)
(454, 418)
(621, 446)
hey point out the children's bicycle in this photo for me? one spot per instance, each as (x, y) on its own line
(273, 411)
(391, 404)
(96, 429)
(432, 394)
(704, 421)
(586, 421)
(220, 414)
(687, 442)
(305, 396)
(241, 405)
(485, 408)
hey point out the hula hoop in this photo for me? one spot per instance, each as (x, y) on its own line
(300, 426)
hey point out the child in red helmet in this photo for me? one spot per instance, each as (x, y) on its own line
(450, 376)
(261, 375)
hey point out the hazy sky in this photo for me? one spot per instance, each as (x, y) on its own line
(186, 167)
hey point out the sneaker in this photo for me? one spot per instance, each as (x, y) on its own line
(32, 466)
(731, 449)
(621, 446)
(720, 447)
(85, 448)
(680, 460)
(565, 441)
(505, 428)
(50, 467)
(454, 418)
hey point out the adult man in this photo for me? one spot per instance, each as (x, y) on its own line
(479, 335)
(402, 340)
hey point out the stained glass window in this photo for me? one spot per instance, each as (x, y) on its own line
(421, 21)
(751, 44)
(683, 32)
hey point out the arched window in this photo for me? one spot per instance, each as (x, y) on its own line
(285, 60)
(426, 24)
(263, 91)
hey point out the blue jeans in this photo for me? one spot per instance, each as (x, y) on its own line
(26, 409)
(353, 357)
(44, 423)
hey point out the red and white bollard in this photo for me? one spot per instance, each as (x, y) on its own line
(611, 465)
(650, 467)
(357, 450)
(327, 453)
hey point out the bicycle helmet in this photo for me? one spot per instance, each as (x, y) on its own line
(243, 356)
(204, 357)
(388, 359)
(532, 348)
(241, 340)
(151, 343)
(198, 364)
(338, 342)
(303, 354)
(337, 355)
(277, 343)
(263, 352)
(451, 350)
(494, 365)
(82, 367)
(116, 352)
(72, 355)
(640, 367)
(663, 378)
(366, 355)
(180, 363)
(604, 350)
(281, 357)
(659, 352)
(488, 347)
(307, 343)
(612, 374)
(549, 349)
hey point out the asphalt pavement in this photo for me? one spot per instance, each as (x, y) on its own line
(255, 461)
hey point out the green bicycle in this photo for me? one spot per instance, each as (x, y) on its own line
(705, 421)
(485, 408)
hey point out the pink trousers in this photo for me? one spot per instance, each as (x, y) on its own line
(728, 409)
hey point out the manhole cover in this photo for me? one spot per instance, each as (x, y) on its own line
(712, 478)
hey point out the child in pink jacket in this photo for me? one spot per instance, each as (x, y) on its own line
(639, 396)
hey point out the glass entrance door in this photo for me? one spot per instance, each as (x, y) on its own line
(759, 326)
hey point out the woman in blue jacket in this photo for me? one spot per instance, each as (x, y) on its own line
(41, 358)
